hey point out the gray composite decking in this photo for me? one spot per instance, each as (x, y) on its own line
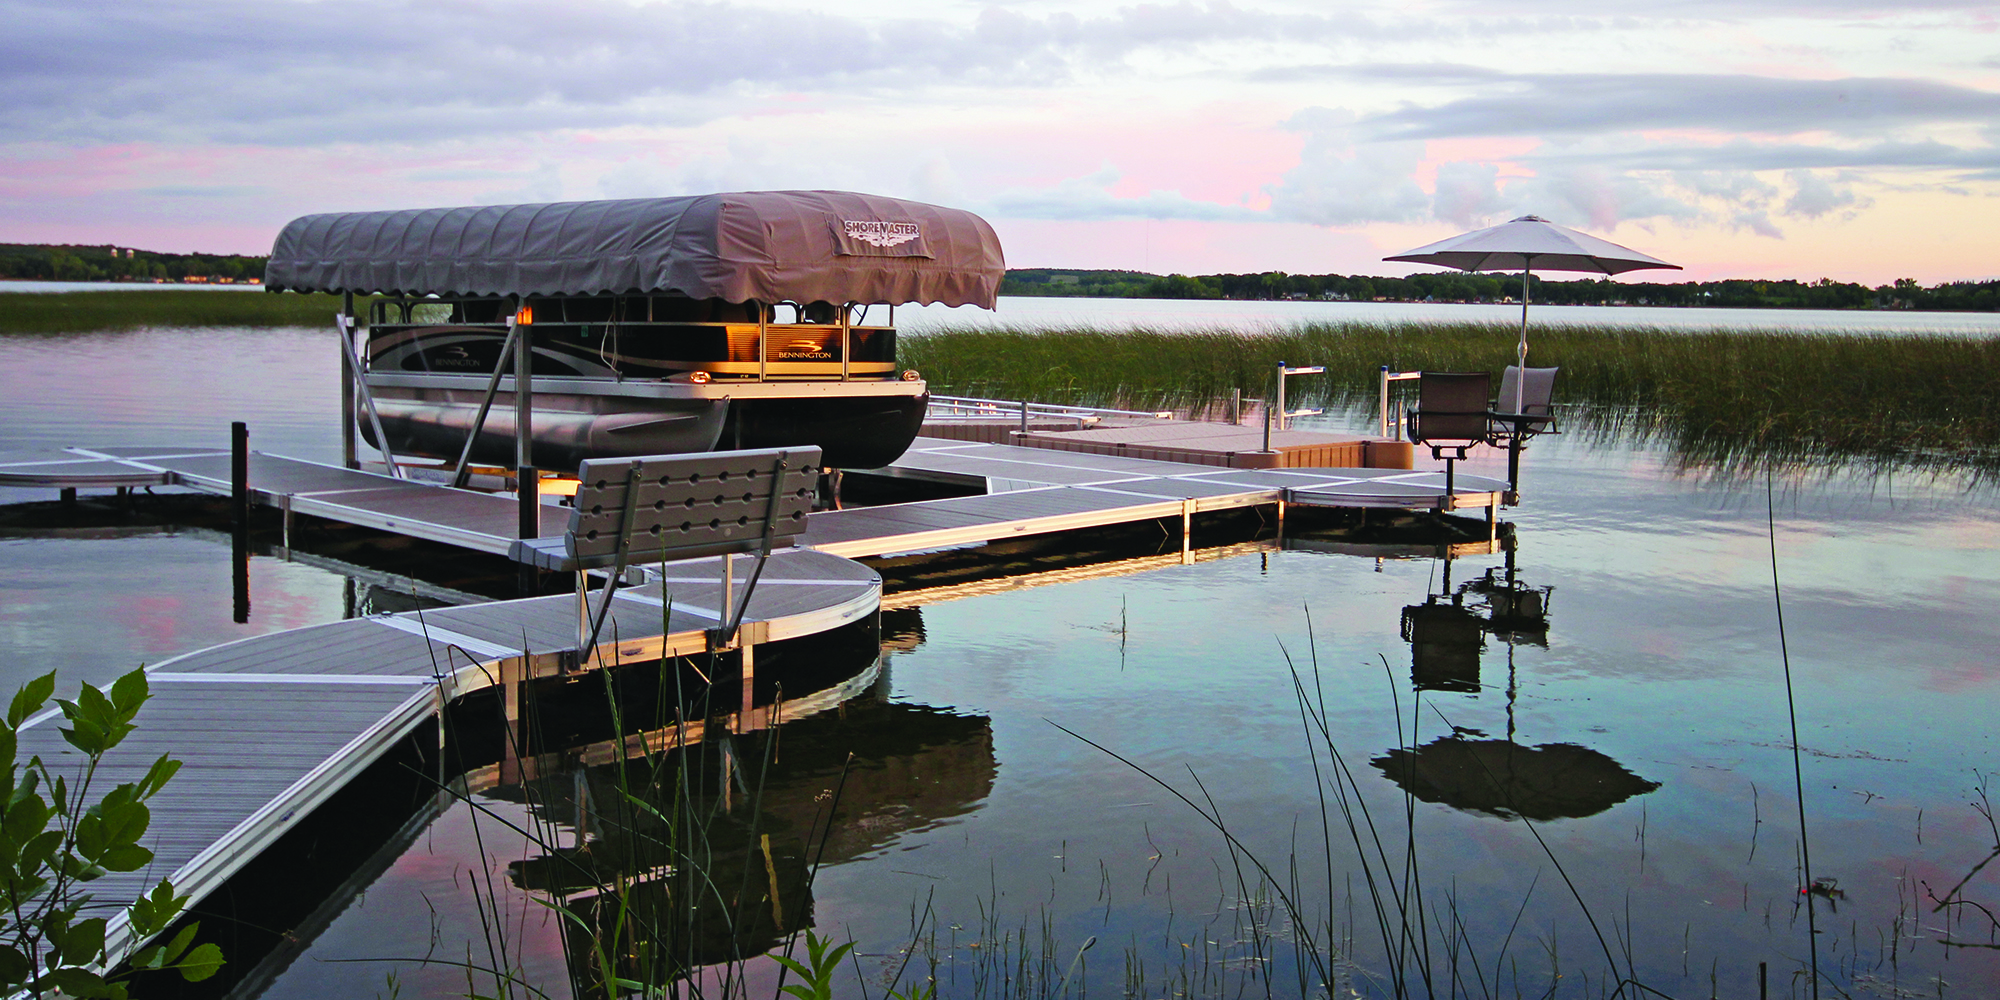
(1034, 491)
(269, 727)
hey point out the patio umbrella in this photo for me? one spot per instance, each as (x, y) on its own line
(1525, 244)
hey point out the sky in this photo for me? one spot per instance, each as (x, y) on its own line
(1857, 140)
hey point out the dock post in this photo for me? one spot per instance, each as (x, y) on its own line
(528, 490)
(511, 670)
(1187, 532)
(524, 389)
(1281, 399)
(239, 520)
(745, 721)
(1382, 409)
(1236, 406)
(1024, 418)
(239, 476)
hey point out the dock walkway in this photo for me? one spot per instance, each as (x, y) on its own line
(269, 727)
(1034, 491)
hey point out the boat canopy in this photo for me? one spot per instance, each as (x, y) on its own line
(766, 246)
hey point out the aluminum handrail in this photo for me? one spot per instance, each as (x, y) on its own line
(1010, 407)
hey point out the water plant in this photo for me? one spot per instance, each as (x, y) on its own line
(1713, 396)
(58, 836)
(69, 312)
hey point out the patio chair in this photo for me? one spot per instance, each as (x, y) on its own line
(1452, 415)
(1511, 430)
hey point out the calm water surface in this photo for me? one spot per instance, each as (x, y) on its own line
(1661, 658)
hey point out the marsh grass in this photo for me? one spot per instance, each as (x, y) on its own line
(1721, 397)
(72, 312)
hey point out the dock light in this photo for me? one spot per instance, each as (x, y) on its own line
(696, 378)
(525, 316)
(912, 376)
(562, 486)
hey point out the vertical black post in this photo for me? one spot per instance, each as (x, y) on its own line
(239, 476)
(1514, 453)
(528, 489)
(239, 551)
(239, 518)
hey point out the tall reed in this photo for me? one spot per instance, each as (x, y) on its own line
(71, 312)
(1715, 395)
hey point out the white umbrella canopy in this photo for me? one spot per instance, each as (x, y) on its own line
(1522, 245)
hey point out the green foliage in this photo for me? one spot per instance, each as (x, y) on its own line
(34, 261)
(54, 840)
(1459, 286)
(67, 312)
(1722, 396)
(817, 970)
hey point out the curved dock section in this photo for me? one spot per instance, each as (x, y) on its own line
(270, 727)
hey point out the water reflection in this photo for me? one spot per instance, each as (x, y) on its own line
(1502, 778)
(1497, 777)
(701, 855)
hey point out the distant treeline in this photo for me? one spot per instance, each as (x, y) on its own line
(105, 262)
(1459, 286)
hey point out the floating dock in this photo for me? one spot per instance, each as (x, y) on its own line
(269, 727)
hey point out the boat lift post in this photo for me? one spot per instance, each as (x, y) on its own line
(348, 379)
(527, 480)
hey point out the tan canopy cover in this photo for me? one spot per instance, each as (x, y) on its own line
(769, 246)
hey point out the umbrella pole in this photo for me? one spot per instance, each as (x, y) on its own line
(1521, 352)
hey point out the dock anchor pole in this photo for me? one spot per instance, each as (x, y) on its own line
(239, 476)
(239, 518)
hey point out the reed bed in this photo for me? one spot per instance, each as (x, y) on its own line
(73, 312)
(1721, 396)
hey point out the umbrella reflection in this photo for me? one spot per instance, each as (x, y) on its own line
(1502, 778)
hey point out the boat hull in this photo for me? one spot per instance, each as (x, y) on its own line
(858, 431)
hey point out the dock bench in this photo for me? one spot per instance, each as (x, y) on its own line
(666, 508)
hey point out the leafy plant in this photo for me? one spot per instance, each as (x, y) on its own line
(817, 970)
(54, 840)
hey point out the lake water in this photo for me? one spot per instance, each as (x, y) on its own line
(1182, 314)
(1188, 314)
(1648, 723)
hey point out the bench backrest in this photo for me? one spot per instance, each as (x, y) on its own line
(693, 505)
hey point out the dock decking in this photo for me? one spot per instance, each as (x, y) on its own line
(271, 726)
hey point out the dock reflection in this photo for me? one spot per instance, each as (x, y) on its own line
(702, 854)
